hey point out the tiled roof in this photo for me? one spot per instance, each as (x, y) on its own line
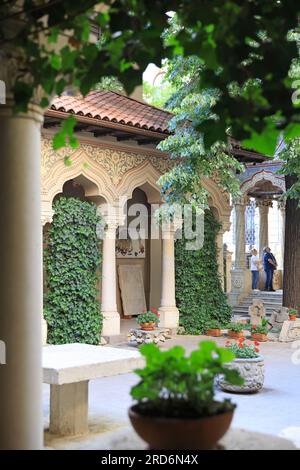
(116, 108)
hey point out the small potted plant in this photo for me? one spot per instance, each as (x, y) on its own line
(236, 330)
(213, 328)
(293, 314)
(260, 332)
(175, 399)
(148, 320)
(250, 365)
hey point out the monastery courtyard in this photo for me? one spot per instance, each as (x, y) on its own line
(269, 414)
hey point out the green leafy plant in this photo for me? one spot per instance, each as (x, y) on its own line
(150, 316)
(213, 325)
(199, 295)
(293, 311)
(237, 327)
(243, 349)
(261, 329)
(72, 258)
(175, 385)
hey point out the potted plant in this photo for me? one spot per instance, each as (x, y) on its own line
(213, 328)
(260, 332)
(236, 330)
(175, 399)
(148, 320)
(250, 365)
(292, 314)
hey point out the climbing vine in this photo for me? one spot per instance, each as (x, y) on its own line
(72, 259)
(199, 294)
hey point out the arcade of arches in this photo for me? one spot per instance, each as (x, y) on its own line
(111, 175)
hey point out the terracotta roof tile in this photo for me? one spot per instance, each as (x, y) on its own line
(113, 107)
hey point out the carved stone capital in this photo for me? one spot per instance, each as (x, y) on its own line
(282, 205)
(241, 201)
(264, 203)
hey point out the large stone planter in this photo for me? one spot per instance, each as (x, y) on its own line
(253, 373)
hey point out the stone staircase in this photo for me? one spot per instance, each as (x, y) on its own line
(271, 300)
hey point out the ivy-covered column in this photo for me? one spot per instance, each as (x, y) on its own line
(111, 317)
(220, 247)
(169, 313)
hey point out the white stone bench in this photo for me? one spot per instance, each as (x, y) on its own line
(68, 369)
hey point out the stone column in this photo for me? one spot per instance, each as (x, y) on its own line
(169, 314)
(238, 273)
(111, 317)
(240, 242)
(281, 207)
(263, 206)
(21, 424)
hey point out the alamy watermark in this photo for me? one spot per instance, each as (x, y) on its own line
(2, 353)
(296, 354)
(140, 221)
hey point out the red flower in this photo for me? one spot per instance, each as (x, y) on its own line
(154, 310)
(254, 327)
(256, 343)
(256, 349)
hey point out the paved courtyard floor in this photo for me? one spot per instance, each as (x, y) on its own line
(275, 410)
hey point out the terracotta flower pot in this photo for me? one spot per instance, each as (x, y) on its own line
(293, 317)
(213, 332)
(235, 334)
(148, 326)
(173, 433)
(261, 337)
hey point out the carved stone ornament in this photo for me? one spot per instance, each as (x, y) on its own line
(116, 163)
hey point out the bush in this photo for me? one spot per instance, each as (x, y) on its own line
(72, 257)
(199, 294)
(237, 327)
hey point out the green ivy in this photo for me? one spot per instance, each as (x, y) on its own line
(72, 259)
(199, 294)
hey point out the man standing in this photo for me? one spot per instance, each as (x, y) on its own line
(270, 264)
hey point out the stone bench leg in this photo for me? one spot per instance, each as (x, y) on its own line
(69, 408)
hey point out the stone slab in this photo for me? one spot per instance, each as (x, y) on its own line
(127, 439)
(290, 331)
(77, 362)
(132, 289)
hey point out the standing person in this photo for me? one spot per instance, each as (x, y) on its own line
(254, 266)
(270, 264)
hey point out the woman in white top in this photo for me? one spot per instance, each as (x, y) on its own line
(254, 268)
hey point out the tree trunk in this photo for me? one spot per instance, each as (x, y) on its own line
(291, 280)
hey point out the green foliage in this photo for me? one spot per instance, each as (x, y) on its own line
(243, 349)
(262, 329)
(237, 327)
(201, 155)
(250, 59)
(72, 257)
(157, 95)
(175, 385)
(147, 317)
(199, 295)
(291, 167)
(110, 84)
(213, 325)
